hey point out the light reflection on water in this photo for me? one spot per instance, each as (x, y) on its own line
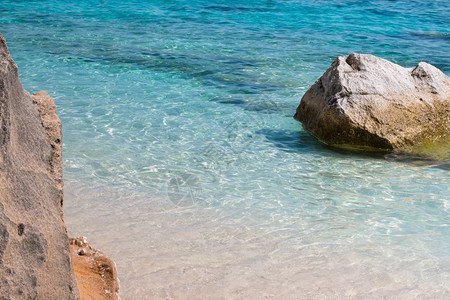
(183, 163)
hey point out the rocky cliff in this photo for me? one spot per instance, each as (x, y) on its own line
(35, 258)
(363, 101)
(35, 261)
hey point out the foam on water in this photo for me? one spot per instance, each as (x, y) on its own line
(183, 163)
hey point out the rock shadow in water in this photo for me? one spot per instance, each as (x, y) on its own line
(292, 141)
(258, 105)
(302, 142)
(418, 160)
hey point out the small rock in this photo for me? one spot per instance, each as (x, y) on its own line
(96, 274)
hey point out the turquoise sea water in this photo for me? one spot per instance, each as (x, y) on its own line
(182, 160)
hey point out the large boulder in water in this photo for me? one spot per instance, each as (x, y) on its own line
(35, 260)
(363, 101)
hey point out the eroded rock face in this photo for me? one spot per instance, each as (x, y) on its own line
(96, 274)
(363, 101)
(35, 261)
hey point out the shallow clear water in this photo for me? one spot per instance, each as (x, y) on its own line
(183, 163)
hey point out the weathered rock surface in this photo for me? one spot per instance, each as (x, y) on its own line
(35, 261)
(96, 274)
(363, 101)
